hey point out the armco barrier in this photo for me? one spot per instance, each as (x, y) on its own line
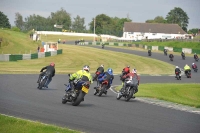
(197, 51)
(116, 44)
(4, 57)
(154, 48)
(125, 44)
(59, 51)
(10, 57)
(53, 53)
(187, 50)
(121, 44)
(136, 45)
(34, 56)
(15, 57)
(175, 49)
(47, 54)
(26, 57)
(41, 55)
(161, 48)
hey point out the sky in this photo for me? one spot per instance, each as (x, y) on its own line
(137, 10)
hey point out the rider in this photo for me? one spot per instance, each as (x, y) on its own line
(165, 50)
(125, 71)
(182, 53)
(195, 56)
(106, 76)
(194, 66)
(177, 69)
(99, 71)
(81, 75)
(50, 71)
(134, 77)
(187, 68)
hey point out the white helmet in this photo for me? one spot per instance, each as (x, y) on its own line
(176, 66)
(86, 68)
(102, 65)
(192, 63)
(134, 71)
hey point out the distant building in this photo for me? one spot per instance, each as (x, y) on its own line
(139, 31)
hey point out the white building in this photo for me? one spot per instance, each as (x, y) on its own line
(139, 31)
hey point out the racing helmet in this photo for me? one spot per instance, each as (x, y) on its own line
(86, 68)
(110, 71)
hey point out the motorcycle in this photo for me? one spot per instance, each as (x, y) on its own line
(149, 53)
(183, 56)
(43, 81)
(195, 69)
(178, 76)
(171, 58)
(196, 59)
(102, 89)
(128, 91)
(165, 52)
(102, 46)
(76, 96)
(188, 74)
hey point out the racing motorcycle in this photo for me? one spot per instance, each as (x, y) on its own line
(96, 75)
(76, 95)
(183, 56)
(165, 52)
(196, 59)
(129, 90)
(102, 46)
(171, 58)
(195, 69)
(149, 53)
(102, 89)
(43, 81)
(188, 74)
(178, 76)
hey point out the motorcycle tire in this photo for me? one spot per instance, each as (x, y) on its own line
(129, 94)
(42, 83)
(79, 99)
(64, 100)
(102, 90)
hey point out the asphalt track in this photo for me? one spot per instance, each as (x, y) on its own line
(20, 98)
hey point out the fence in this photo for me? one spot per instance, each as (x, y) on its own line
(16, 57)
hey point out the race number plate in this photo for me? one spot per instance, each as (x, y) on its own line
(84, 89)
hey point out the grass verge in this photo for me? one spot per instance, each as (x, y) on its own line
(186, 94)
(16, 125)
(75, 57)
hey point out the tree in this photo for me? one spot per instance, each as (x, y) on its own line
(193, 31)
(4, 21)
(78, 24)
(19, 21)
(102, 24)
(158, 19)
(178, 16)
(61, 17)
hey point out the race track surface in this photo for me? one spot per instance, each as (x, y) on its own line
(19, 97)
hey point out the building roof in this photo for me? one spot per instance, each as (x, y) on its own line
(153, 28)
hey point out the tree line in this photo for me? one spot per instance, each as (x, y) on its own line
(103, 23)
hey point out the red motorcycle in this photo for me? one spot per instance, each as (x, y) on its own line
(102, 89)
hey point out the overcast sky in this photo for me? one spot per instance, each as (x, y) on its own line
(138, 10)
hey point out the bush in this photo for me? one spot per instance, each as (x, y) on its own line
(14, 28)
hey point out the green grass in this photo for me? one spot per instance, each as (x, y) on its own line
(17, 43)
(75, 57)
(16, 125)
(187, 94)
